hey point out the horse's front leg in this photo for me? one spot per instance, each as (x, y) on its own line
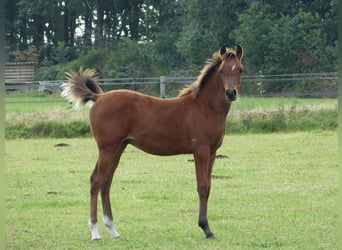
(204, 163)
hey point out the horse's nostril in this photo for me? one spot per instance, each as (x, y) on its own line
(231, 94)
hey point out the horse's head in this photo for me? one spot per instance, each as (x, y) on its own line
(230, 70)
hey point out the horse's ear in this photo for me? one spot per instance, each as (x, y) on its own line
(223, 50)
(239, 51)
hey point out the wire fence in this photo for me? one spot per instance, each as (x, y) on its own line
(318, 85)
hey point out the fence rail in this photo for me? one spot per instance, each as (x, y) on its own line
(305, 85)
(294, 77)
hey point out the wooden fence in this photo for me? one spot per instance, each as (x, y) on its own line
(18, 75)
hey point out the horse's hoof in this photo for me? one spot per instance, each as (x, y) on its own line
(115, 236)
(210, 236)
(95, 238)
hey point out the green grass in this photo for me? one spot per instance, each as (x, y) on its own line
(274, 191)
(35, 115)
(25, 101)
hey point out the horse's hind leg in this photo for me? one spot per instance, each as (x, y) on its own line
(107, 211)
(101, 178)
(105, 191)
(94, 190)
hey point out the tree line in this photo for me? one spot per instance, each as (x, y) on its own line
(151, 37)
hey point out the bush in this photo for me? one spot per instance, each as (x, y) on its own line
(127, 59)
(52, 129)
(283, 121)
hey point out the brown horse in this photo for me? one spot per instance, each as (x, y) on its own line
(194, 122)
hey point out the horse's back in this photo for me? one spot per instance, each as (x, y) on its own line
(128, 104)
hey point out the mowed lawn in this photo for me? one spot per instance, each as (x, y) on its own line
(274, 191)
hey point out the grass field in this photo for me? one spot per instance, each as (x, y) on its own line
(274, 191)
(32, 115)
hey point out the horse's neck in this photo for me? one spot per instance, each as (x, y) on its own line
(213, 95)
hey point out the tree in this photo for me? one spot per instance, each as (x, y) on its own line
(318, 54)
(277, 36)
(36, 14)
(163, 30)
(88, 7)
(205, 29)
(10, 19)
(278, 41)
(254, 35)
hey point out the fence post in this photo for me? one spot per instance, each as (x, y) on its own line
(162, 86)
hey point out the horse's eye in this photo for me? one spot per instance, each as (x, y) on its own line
(221, 71)
(241, 70)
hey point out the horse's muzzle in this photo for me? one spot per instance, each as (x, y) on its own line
(231, 94)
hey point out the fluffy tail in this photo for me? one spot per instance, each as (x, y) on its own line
(81, 87)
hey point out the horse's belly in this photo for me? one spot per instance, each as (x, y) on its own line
(161, 146)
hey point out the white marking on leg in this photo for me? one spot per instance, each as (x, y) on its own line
(110, 226)
(94, 229)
